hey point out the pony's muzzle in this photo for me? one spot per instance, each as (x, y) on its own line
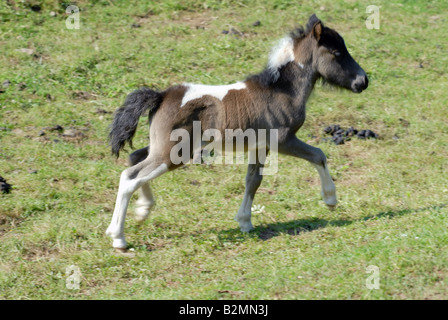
(360, 83)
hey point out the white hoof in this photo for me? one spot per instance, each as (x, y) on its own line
(120, 244)
(118, 240)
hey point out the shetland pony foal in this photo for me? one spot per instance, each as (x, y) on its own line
(272, 99)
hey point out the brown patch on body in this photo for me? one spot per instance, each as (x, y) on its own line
(239, 109)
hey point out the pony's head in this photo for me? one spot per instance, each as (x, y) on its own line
(325, 49)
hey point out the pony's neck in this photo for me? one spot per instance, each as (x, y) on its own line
(298, 81)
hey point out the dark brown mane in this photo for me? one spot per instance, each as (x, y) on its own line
(298, 33)
(301, 32)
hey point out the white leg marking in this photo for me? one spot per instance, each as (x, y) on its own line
(144, 203)
(196, 91)
(328, 188)
(125, 190)
(116, 227)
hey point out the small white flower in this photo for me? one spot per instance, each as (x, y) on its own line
(258, 209)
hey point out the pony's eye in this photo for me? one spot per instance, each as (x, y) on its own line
(336, 53)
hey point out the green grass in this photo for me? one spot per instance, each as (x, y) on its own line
(393, 193)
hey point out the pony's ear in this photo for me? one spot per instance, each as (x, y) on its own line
(315, 27)
(317, 30)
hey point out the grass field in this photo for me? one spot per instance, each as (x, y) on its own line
(393, 191)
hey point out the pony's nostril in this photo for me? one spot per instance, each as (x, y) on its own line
(366, 83)
(360, 83)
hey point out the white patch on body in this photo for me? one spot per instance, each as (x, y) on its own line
(196, 91)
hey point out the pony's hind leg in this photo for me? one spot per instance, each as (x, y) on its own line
(253, 181)
(144, 203)
(317, 158)
(146, 200)
(131, 179)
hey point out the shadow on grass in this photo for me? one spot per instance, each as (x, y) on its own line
(297, 227)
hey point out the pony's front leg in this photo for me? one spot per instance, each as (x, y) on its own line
(317, 158)
(253, 181)
(328, 188)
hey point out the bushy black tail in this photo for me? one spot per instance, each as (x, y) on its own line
(125, 123)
